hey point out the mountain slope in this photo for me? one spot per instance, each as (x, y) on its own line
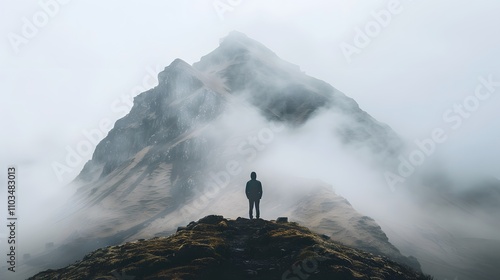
(188, 145)
(162, 152)
(330, 214)
(217, 248)
(189, 97)
(312, 203)
(153, 170)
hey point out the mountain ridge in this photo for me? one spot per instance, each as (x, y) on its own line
(218, 248)
(152, 171)
(156, 159)
(281, 93)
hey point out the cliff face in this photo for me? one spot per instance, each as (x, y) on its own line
(218, 248)
(188, 98)
(150, 173)
(156, 160)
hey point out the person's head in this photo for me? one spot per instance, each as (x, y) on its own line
(253, 175)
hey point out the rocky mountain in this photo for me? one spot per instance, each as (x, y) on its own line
(219, 248)
(188, 145)
(188, 98)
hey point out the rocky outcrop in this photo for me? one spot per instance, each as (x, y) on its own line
(218, 248)
(156, 160)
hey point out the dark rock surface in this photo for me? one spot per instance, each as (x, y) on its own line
(218, 248)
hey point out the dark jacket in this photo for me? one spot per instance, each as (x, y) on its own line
(254, 190)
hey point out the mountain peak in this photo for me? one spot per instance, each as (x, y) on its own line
(239, 39)
(236, 47)
(177, 66)
(236, 39)
(179, 63)
(236, 35)
(219, 248)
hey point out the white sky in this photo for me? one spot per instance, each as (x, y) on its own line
(90, 54)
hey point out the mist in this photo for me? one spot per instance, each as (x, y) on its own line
(83, 66)
(293, 159)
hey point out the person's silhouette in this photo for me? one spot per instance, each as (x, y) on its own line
(254, 194)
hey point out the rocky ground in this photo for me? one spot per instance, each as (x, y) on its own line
(218, 248)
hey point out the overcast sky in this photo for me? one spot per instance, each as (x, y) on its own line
(68, 67)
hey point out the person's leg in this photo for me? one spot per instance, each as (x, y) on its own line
(257, 202)
(251, 208)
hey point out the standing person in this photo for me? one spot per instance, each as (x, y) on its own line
(254, 194)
